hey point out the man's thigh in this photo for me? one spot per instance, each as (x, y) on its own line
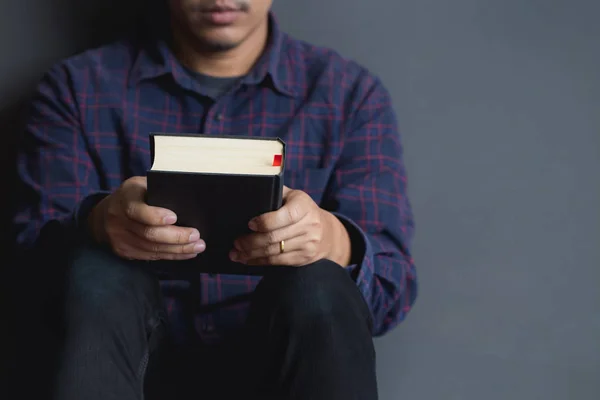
(86, 301)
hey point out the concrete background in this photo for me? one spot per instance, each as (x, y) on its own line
(499, 105)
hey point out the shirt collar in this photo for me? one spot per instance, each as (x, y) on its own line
(156, 59)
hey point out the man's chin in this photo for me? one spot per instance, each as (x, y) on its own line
(217, 41)
(216, 45)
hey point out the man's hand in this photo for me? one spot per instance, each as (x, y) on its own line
(138, 231)
(309, 234)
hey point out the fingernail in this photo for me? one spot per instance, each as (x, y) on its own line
(252, 224)
(199, 247)
(170, 219)
(233, 255)
(195, 235)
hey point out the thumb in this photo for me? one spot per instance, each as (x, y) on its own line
(134, 189)
(134, 206)
(286, 191)
(139, 181)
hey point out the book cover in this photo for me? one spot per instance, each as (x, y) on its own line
(215, 184)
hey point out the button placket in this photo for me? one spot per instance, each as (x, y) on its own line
(214, 121)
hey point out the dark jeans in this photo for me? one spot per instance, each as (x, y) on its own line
(308, 336)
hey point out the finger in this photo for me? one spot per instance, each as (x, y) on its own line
(135, 208)
(260, 240)
(272, 249)
(140, 243)
(287, 259)
(286, 192)
(294, 209)
(127, 248)
(149, 256)
(164, 234)
(142, 213)
(160, 249)
(140, 181)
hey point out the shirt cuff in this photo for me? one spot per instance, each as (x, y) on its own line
(361, 265)
(66, 230)
(83, 210)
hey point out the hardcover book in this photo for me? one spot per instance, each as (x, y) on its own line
(215, 184)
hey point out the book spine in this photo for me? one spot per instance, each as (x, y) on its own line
(152, 149)
(277, 191)
(151, 183)
(278, 181)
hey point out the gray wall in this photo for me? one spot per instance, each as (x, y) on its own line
(499, 103)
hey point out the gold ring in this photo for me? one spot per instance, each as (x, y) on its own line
(281, 247)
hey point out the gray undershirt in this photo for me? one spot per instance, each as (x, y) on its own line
(214, 87)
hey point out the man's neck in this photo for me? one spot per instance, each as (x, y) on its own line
(231, 63)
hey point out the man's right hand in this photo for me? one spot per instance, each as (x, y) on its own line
(137, 231)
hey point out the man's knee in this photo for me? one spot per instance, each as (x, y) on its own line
(104, 289)
(320, 294)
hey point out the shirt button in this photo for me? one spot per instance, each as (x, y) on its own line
(219, 117)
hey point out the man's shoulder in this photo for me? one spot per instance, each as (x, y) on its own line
(325, 66)
(108, 63)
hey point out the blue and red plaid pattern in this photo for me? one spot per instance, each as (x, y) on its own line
(88, 128)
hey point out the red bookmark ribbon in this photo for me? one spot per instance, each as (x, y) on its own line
(277, 159)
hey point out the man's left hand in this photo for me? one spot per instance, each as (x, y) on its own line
(308, 232)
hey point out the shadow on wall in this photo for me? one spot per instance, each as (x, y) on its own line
(61, 28)
(80, 25)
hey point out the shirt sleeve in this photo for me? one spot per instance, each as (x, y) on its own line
(371, 199)
(57, 179)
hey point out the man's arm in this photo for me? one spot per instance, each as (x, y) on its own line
(370, 193)
(55, 170)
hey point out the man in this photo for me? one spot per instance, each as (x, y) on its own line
(305, 332)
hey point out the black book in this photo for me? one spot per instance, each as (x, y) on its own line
(215, 184)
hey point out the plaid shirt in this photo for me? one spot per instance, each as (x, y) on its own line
(87, 132)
